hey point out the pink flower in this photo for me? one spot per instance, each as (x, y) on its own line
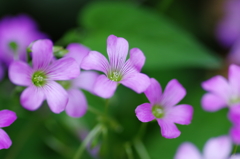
(235, 134)
(117, 70)
(215, 148)
(162, 107)
(7, 117)
(40, 80)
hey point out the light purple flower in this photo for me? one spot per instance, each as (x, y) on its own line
(162, 107)
(7, 117)
(40, 80)
(77, 103)
(117, 70)
(16, 33)
(215, 148)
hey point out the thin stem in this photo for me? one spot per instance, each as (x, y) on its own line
(95, 111)
(106, 106)
(235, 149)
(141, 131)
(94, 132)
(128, 150)
(141, 150)
(165, 5)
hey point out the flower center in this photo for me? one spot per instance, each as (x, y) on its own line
(65, 84)
(39, 78)
(158, 111)
(234, 100)
(115, 76)
(13, 45)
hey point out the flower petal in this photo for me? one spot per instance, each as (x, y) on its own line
(138, 82)
(117, 49)
(5, 141)
(104, 87)
(234, 114)
(144, 112)
(180, 114)
(95, 61)
(57, 97)
(168, 128)
(235, 156)
(7, 117)
(174, 92)
(137, 58)
(234, 78)
(187, 151)
(77, 103)
(154, 91)
(235, 134)
(77, 51)
(63, 69)
(20, 73)
(212, 102)
(32, 98)
(218, 147)
(42, 53)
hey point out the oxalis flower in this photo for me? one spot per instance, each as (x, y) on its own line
(162, 107)
(40, 80)
(215, 148)
(7, 117)
(117, 70)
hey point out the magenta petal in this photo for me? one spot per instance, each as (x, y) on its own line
(7, 117)
(187, 151)
(144, 112)
(174, 92)
(5, 141)
(137, 58)
(219, 148)
(235, 134)
(234, 114)
(168, 128)
(104, 87)
(234, 78)
(212, 102)
(95, 61)
(117, 49)
(63, 69)
(32, 98)
(154, 91)
(138, 82)
(20, 73)
(57, 97)
(180, 114)
(42, 53)
(77, 103)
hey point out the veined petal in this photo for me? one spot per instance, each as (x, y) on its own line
(137, 58)
(219, 148)
(63, 69)
(212, 102)
(56, 96)
(32, 98)
(180, 114)
(77, 103)
(104, 87)
(144, 112)
(42, 53)
(95, 61)
(77, 51)
(234, 114)
(117, 49)
(154, 91)
(5, 141)
(20, 73)
(168, 128)
(174, 92)
(234, 78)
(138, 82)
(7, 117)
(187, 151)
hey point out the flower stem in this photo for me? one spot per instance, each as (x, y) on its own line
(235, 149)
(128, 150)
(141, 149)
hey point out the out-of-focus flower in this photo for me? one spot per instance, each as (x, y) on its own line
(162, 107)
(234, 55)
(117, 70)
(40, 80)
(215, 148)
(228, 30)
(235, 134)
(7, 117)
(16, 33)
(77, 103)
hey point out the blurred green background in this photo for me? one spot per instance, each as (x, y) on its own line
(177, 38)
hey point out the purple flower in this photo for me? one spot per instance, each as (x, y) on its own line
(235, 134)
(77, 103)
(7, 117)
(117, 70)
(162, 107)
(215, 148)
(40, 80)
